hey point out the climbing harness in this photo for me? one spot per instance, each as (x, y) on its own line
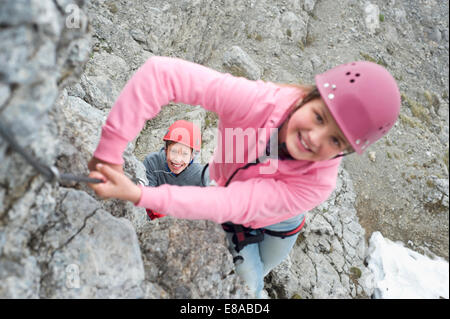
(244, 236)
(51, 173)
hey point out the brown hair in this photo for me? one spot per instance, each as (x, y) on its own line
(312, 93)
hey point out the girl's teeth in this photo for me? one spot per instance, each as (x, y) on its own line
(303, 143)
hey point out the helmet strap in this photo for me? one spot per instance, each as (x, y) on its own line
(342, 155)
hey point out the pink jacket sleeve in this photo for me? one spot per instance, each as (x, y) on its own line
(162, 80)
(256, 202)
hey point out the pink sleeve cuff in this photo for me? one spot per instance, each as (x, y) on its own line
(139, 202)
(111, 147)
(153, 198)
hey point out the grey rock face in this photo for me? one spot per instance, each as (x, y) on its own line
(50, 234)
(239, 63)
(189, 259)
(98, 258)
(63, 64)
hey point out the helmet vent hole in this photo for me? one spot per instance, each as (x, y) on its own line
(348, 73)
(352, 81)
(357, 74)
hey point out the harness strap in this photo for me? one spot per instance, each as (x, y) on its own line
(242, 236)
(202, 180)
(284, 234)
(243, 167)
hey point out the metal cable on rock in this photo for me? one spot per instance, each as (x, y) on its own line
(50, 173)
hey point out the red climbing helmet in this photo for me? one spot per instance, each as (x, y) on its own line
(364, 100)
(186, 133)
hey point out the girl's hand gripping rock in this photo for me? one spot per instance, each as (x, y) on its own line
(115, 185)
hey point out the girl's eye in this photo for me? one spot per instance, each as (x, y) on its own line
(319, 118)
(336, 142)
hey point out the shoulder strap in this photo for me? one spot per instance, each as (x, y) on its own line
(243, 167)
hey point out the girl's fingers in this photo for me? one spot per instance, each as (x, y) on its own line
(116, 184)
(95, 174)
(110, 173)
(100, 189)
(92, 165)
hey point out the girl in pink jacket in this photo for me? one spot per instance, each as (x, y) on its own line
(278, 153)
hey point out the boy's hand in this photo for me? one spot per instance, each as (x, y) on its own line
(116, 185)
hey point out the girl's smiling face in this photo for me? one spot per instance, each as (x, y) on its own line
(312, 134)
(178, 157)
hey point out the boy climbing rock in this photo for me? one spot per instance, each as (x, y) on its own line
(174, 163)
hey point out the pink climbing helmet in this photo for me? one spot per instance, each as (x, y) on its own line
(364, 100)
